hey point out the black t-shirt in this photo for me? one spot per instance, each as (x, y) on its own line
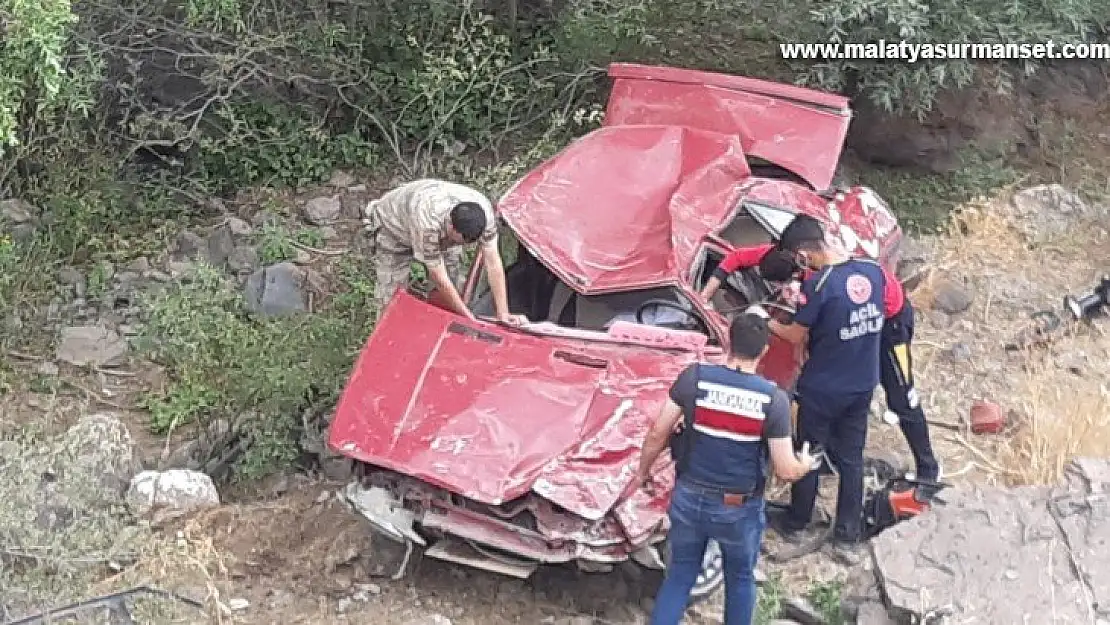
(776, 423)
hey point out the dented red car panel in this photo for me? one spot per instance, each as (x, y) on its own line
(800, 129)
(477, 425)
(626, 207)
(490, 413)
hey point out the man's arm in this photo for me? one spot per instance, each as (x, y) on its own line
(682, 391)
(437, 272)
(658, 437)
(495, 273)
(809, 310)
(426, 250)
(741, 258)
(776, 429)
(894, 296)
(793, 333)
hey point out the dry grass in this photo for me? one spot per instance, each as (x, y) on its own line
(1062, 417)
(1061, 405)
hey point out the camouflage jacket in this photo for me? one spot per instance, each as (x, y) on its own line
(416, 216)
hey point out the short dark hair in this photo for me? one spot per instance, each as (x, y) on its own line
(748, 336)
(469, 220)
(777, 266)
(804, 233)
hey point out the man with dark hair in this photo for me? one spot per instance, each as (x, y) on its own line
(774, 264)
(839, 319)
(733, 422)
(430, 221)
(896, 365)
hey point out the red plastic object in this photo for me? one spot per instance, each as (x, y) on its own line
(987, 418)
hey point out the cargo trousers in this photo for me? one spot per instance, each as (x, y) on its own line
(393, 258)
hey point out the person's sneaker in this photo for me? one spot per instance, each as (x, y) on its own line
(777, 521)
(848, 553)
(910, 475)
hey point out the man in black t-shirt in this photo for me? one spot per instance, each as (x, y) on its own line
(735, 422)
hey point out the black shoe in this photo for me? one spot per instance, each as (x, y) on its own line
(848, 553)
(779, 521)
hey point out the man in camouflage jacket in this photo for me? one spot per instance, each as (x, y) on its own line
(430, 221)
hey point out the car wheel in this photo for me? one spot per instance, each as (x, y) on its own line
(712, 573)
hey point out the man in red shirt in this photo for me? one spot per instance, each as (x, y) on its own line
(896, 362)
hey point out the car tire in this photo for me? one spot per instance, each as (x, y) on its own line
(712, 573)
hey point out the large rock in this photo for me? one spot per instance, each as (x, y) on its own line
(19, 218)
(1048, 211)
(219, 246)
(91, 345)
(276, 290)
(951, 297)
(16, 211)
(322, 210)
(1082, 508)
(171, 494)
(1000, 556)
(98, 452)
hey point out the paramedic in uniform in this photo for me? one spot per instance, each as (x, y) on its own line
(896, 357)
(839, 319)
(738, 420)
(430, 221)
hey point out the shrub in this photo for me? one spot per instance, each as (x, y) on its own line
(898, 86)
(259, 374)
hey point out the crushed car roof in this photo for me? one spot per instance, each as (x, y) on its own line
(626, 207)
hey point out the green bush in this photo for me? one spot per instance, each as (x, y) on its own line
(260, 374)
(277, 145)
(35, 38)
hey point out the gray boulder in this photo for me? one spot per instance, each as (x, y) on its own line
(1005, 555)
(93, 345)
(277, 290)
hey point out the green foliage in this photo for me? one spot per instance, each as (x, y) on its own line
(769, 600)
(276, 243)
(216, 14)
(467, 85)
(273, 144)
(601, 31)
(35, 35)
(900, 86)
(259, 373)
(825, 596)
(925, 199)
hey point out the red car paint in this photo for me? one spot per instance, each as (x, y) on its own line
(477, 423)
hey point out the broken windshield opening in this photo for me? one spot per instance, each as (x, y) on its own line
(539, 294)
(740, 290)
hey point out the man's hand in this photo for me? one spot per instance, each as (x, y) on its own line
(637, 482)
(513, 320)
(756, 309)
(804, 457)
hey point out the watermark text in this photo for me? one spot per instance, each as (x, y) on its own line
(909, 52)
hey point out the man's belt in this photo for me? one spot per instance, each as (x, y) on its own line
(706, 489)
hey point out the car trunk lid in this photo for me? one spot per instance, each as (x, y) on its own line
(488, 413)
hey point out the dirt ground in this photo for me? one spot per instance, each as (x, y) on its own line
(296, 554)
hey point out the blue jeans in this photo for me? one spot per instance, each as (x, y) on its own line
(696, 517)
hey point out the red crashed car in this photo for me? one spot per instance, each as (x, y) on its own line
(507, 448)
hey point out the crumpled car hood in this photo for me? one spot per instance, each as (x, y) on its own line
(491, 413)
